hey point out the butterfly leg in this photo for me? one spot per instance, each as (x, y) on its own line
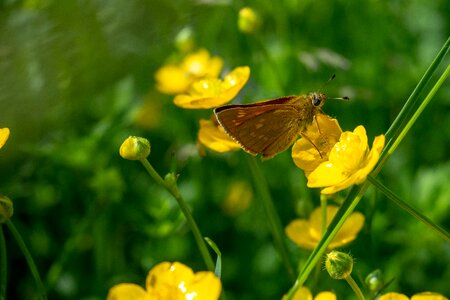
(311, 142)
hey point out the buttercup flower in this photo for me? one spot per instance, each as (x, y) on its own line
(322, 137)
(213, 136)
(4, 134)
(170, 281)
(307, 233)
(238, 198)
(420, 296)
(349, 162)
(213, 92)
(177, 78)
(304, 293)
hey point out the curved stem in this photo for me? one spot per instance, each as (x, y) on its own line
(409, 209)
(173, 190)
(29, 259)
(3, 265)
(355, 287)
(272, 216)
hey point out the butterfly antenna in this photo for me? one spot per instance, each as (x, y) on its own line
(345, 98)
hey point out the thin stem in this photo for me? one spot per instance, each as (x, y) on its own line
(355, 287)
(406, 207)
(272, 216)
(323, 207)
(173, 190)
(28, 258)
(3, 265)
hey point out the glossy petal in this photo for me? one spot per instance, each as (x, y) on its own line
(325, 296)
(303, 293)
(307, 233)
(349, 162)
(127, 291)
(177, 281)
(306, 155)
(200, 64)
(172, 80)
(393, 296)
(214, 137)
(428, 296)
(4, 134)
(213, 92)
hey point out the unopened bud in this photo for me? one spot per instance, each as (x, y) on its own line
(249, 21)
(135, 148)
(338, 264)
(375, 281)
(184, 40)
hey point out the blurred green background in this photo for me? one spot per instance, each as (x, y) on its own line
(75, 76)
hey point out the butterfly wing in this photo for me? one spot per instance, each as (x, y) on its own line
(265, 128)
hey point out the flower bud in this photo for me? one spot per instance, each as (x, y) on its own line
(6, 209)
(135, 148)
(375, 281)
(339, 265)
(249, 21)
(184, 40)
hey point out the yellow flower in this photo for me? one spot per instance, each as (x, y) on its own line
(238, 198)
(213, 136)
(213, 92)
(171, 281)
(304, 293)
(420, 296)
(177, 78)
(322, 136)
(4, 134)
(349, 162)
(307, 233)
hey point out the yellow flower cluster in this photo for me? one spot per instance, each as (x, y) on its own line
(196, 85)
(304, 293)
(420, 296)
(170, 281)
(335, 160)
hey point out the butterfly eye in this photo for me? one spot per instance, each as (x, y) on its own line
(316, 100)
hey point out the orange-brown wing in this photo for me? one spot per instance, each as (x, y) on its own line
(265, 128)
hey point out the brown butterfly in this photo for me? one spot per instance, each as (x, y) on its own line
(270, 127)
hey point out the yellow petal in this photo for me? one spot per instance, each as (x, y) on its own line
(215, 138)
(200, 64)
(393, 296)
(171, 79)
(204, 286)
(324, 134)
(349, 230)
(4, 135)
(325, 296)
(212, 92)
(302, 293)
(127, 291)
(299, 231)
(428, 296)
(326, 174)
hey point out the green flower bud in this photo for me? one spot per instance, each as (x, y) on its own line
(184, 40)
(135, 148)
(339, 265)
(6, 209)
(249, 21)
(375, 281)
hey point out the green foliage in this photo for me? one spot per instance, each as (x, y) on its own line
(75, 75)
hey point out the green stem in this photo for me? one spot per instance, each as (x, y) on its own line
(323, 207)
(405, 206)
(272, 216)
(396, 131)
(173, 190)
(344, 211)
(355, 287)
(3, 265)
(28, 258)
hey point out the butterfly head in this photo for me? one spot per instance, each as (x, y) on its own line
(317, 99)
